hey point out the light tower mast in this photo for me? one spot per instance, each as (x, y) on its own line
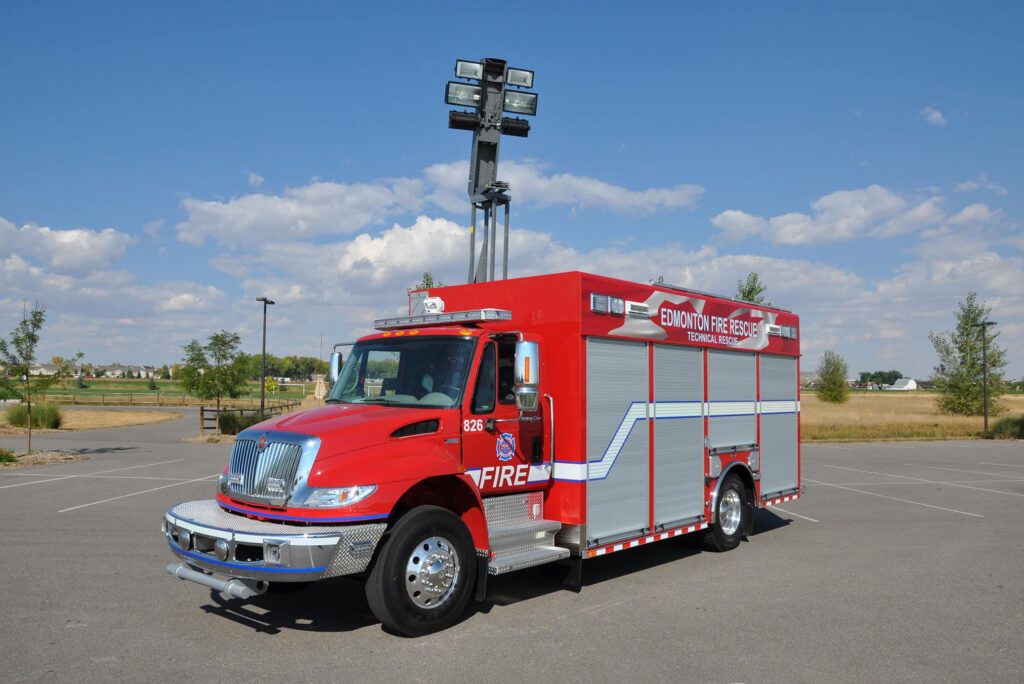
(489, 96)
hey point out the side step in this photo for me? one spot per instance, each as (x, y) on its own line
(527, 558)
(520, 537)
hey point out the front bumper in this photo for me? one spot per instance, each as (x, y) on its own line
(267, 551)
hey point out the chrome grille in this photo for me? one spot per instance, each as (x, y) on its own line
(264, 476)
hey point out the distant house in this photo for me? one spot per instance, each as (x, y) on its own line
(43, 369)
(903, 385)
(808, 379)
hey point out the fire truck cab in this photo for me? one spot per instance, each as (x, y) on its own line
(503, 425)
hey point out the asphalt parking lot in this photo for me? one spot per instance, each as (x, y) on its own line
(902, 562)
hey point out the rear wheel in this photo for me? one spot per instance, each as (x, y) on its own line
(422, 580)
(733, 512)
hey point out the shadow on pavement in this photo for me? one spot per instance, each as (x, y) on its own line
(339, 604)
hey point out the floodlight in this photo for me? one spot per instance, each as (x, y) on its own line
(465, 121)
(465, 69)
(519, 77)
(519, 128)
(517, 102)
(463, 94)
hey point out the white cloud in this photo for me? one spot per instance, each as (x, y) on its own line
(322, 208)
(75, 250)
(871, 212)
(974, 213)
(300, 213)
(254, 180)
(933, 116)
(530, 185)
(981, 183)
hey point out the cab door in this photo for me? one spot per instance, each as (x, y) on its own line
(501, 450)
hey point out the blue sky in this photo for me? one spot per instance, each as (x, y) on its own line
(162, 166)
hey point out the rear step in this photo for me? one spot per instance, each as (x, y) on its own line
(519, 535)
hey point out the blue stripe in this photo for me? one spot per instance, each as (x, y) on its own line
(277, 516)
(240, 566)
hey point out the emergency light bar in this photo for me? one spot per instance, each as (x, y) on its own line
(472, 316)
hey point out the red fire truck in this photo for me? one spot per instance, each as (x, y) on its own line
(503, 425)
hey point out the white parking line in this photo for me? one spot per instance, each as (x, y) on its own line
(1005, 465)
(958, 470)
(797, 515)
(918, 479)
(905, 484)
(98, 472)
(109, 477)
(125, 496)
(893, 498)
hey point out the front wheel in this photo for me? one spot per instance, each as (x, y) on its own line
(733, 512)
(422, 580)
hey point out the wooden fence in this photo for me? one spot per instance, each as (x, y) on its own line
(155, 399)
(208, 415)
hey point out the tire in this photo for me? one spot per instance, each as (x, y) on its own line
(423, 578)
(733, 515)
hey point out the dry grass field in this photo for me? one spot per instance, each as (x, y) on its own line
(94, 419)
(889, 416)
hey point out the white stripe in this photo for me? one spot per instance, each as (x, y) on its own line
(678, 409)
(778, 407)
(539, 473)
(636, 411)
(576, 472)
(731, 408)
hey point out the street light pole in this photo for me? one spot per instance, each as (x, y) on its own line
(984, 365)
(263, 369)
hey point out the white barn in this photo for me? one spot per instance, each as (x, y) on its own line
(903, 385)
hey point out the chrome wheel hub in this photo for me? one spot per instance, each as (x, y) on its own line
(730, 510)
(432, 572)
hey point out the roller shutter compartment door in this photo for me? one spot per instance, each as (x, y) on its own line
(678, 434)
(778, 424)
(732, 396)
(617, 438)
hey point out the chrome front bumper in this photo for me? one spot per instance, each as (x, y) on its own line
(266, 551)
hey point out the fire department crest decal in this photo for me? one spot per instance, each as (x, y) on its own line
(505, 446)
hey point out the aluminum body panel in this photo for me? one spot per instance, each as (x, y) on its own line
(678, 440)
(732, 391)
(778, 429)
(617, 436)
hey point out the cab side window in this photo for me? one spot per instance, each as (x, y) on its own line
(483, 396)
(506, 372)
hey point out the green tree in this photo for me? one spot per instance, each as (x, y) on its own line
(832, 385)
(152, 383)
(165, 372)
(271, 386)
(428, 282)
(752, 289)
(213, 371)
(958, 376)
(17, 356)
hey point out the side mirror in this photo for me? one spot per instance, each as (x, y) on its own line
(527, 375)
(334, 367)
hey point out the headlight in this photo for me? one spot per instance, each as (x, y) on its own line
(222, 483)
(336, 497)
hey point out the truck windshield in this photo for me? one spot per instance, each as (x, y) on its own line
(412, 371)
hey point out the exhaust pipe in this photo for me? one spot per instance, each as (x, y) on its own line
(237, 588)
